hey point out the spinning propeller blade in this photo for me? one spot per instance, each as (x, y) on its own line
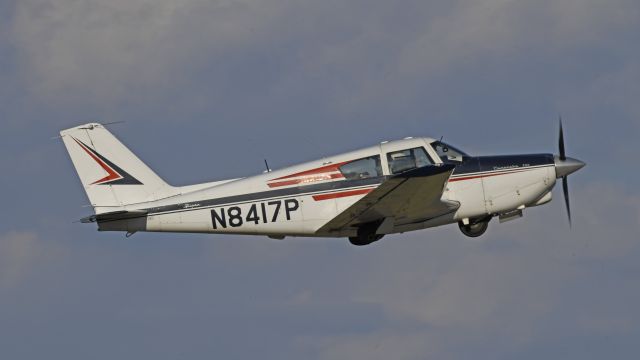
(564, 167)
(565, 190)
(561, 142)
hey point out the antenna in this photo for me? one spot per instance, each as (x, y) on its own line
(267, 165)
(114, 122)
(91, 127)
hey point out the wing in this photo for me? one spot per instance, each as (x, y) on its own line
(411, 197)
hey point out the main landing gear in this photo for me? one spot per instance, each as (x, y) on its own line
(366, 234)
(475, 227)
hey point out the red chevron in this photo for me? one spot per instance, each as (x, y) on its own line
(112, 174)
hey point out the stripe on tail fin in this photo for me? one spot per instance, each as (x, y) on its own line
(116, 176)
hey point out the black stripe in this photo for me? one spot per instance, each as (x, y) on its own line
(482, 164)
(504, 162)
(126, 179)
(269, 194)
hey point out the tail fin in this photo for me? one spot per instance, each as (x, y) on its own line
(111, 174)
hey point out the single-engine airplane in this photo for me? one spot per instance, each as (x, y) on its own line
(392, 187)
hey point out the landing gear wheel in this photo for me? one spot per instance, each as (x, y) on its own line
(474, 229)
(366, 235)
(362, 241)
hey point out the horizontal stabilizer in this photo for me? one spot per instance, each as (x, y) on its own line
(113, 216)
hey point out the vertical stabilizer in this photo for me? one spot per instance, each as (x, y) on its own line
(111, 174)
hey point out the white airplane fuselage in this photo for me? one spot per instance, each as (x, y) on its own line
(280, 203)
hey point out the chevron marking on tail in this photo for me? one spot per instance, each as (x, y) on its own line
(115, 175)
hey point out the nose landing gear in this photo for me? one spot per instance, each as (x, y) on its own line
(475, 227)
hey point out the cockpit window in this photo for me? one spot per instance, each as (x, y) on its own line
(448, 153)
(401, 161)
(362, 168)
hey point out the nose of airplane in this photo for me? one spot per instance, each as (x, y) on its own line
(567, 166)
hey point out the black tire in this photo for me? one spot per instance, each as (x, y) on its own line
(364, 240)
(474, 229)
(366, 234)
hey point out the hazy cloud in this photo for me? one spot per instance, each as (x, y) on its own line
(103, 52)
(116, 52)
(17, 251)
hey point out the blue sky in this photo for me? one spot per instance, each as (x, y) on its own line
(210, 88)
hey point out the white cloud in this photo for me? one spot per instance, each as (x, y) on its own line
(108, 52)
(382, 60)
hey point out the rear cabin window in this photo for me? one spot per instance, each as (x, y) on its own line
(362, 168)
(404, 160)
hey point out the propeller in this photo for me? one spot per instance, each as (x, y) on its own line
(564, 167)
(561, 142)
(565, 190)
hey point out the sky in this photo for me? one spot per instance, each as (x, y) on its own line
(208, 89)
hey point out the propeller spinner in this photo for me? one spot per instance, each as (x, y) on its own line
(564, 167)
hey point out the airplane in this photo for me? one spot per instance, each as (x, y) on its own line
(388, 188)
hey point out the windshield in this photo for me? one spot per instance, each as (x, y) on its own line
(448, 153)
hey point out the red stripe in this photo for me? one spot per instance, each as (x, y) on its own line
(328, 168)
(487, 175)
(307, 180)
(112, 175)
(341, 194)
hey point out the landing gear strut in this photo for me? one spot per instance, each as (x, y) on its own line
(475, 227)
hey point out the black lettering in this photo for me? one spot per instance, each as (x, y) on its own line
(264, 212)
(275, 213)
(253, 214)
(235, 218)
(215, 218)
(290, 206)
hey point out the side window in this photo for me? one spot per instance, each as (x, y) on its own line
(447, 152)
(401, 161)
(362, 168)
